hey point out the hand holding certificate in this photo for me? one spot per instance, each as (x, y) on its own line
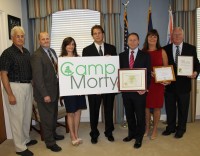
(164, 73)
(132, 79)
(185, 66)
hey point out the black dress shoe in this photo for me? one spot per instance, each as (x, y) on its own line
(128, 138)
(54, 148)
(110, 138)
(167, 132)
(178, 135)
(137, 144)
(32, 142)
(59, 137)
(94, 140)
(25, 153)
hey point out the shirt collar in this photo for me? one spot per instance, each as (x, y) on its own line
(180, 45)
(97, 45)
(17, 49)
(135, 50)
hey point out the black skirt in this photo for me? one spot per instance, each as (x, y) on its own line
(74, 103)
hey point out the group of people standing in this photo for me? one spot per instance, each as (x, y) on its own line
(19, 70)
(175, 94)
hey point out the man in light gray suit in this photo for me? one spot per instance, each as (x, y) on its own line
(45, 89)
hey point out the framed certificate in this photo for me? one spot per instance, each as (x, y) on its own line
(164, 73)
(131, 80)
(185, 66)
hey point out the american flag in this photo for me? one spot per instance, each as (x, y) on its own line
(125, 30)
(150, 25)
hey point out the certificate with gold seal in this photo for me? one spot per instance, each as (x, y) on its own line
(164, 73)
(131, 80)
(185, 66)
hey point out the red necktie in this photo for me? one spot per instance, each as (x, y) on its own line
(131, 62)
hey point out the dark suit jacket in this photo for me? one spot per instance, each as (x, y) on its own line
(91, 50)
(45, 81)
(142, 60)
(182, 83)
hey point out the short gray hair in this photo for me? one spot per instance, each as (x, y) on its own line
(15, 29)
(179, 28)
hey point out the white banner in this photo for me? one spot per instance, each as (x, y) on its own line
(88, 75)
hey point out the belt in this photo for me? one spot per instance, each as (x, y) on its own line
(23, 81)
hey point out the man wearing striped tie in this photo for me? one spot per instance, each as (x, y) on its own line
(177, 94)
(45, 90)
(134, 102)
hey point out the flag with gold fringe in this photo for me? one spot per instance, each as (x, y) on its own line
(125, 29)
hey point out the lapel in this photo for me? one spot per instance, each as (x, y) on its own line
(137, 58)
(170, 53)
(126, 59)
(54, 53)
(106, 49)
(45, 56)
(94, 50)
(184, 49)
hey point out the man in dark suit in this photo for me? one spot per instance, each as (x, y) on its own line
(134, 102)
(45, 90)
(177, 94)
(100, 48)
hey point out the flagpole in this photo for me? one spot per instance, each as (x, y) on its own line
(125, 25)
(125, 5)
(170, 8)
(124, 122)
(149, 18)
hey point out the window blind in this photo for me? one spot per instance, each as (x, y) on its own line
(76, 23)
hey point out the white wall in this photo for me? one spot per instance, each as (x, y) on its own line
(13, 8)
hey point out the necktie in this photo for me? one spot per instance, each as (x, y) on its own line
(131, 62)
(53, 61)
(100, 51)
(177, 54)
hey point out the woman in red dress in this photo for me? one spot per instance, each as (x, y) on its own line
(155, 96)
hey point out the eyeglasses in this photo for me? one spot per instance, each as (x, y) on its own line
(177, 35)
(19, 36)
